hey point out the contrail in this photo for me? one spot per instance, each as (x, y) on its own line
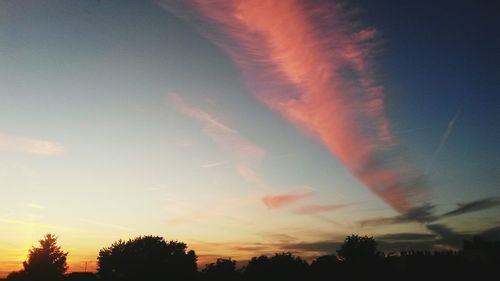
(444, 140)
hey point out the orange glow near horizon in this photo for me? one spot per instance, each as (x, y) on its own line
(206, 252)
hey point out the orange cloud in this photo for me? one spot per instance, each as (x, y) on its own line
(282, 200)
(28, 145)
(308, 63)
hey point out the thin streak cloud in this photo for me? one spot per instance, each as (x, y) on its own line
(246, 155)
(107, 225)
(34, 206)
(213, 164)
(36, 224)
(29, 145)
(407, 236)
(444, 140)
(317, 209)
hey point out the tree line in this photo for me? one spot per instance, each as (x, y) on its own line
(152, 258)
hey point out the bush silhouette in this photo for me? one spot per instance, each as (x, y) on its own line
(46, 262)
(147, 258)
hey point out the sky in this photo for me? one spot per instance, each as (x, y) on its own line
(247, 127)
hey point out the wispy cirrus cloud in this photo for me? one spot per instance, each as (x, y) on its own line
(30, 145)
(34, 206)
(36, 224)
(184, 143)
(317, 209)
(282, 200)
(304, 60)
(244, 153)
(105, 224)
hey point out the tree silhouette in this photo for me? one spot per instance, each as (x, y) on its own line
(360, 252)
(221, 270)
(281, 266)
(47, 262)
(146, 258)
(151, 258)
(323, 267)
(359, 249)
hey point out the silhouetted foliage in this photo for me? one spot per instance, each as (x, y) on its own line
(323, 267)
(482, 250)
(46, 262)
(221, 270)
(359, 252)
(147, 258)
(419, 265)
(282, 266)
(478, 260)
(81, 276)
(17, 276)
(358, 249)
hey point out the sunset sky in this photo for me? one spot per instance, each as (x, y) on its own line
(247, 127)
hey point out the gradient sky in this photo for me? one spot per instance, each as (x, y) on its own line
(213, 123)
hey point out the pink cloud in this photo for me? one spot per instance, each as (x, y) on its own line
(282, 200)
(304, 60)
(245, 154)
(29, 145)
